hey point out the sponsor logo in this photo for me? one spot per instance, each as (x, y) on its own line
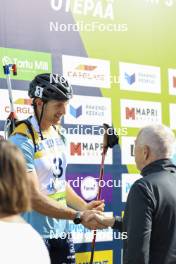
(142, 78)
(76, 112)
(131, 113)
(89, 188)
(86, 149)
(22, 104)
(86, 71)
(100, 257)
(127, 182)
(130, 78)
(172, 81)
(140, 113)
(22, 101)
(172, 109)
(29, 63)
(81, 148)
(86, 67)
(75, 149)
(91, 111)
(127, 149)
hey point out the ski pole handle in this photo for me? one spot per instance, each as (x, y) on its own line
(14, 69)
(7, 69)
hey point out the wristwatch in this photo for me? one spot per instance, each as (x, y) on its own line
(77, 220)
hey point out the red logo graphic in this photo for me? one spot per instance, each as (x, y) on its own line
(23, 101)
(75, 149)
(82, 67)
(130, 113)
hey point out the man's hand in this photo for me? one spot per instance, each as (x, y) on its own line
(97, 205)
(89, 220)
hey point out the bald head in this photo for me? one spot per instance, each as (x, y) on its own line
(153, 142)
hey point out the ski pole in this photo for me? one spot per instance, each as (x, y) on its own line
(109, 140)
(10, 122)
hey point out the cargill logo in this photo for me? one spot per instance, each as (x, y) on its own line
(22, 101)
(130, 78)
(83, 67)
(76, 111)
(174, 81)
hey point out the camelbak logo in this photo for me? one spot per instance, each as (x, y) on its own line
(86, 71)
(86, 67)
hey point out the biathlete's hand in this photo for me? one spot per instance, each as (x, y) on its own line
(101, 220)
(89, 220)
(97, 205)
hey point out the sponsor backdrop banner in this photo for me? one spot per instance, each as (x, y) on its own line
(123, 72)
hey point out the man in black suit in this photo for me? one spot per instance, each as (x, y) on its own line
(150, 212)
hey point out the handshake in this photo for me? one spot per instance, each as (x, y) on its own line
(94, 218)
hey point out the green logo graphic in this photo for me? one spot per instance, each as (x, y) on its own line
(29, 63)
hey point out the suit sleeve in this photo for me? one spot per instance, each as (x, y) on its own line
(138, 221)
